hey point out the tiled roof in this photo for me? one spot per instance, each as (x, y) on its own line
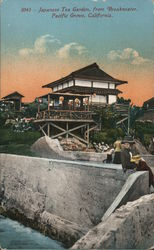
(90, 72)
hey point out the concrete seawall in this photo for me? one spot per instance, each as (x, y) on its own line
(62, 198)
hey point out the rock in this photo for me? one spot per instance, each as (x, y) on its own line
(72, 144)
(130, 227)
(140, 148)
(45, 146)
(66, 149)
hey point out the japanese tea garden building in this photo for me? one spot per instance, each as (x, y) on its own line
(71, 100)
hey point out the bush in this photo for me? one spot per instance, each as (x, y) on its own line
(144, 131)
(7, 136)
(19, 149)
(3, 118)
(108, 136)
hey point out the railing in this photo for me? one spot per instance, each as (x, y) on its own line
(65, 114)
(69, 108)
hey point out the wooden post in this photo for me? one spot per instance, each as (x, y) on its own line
(49, 129)
(48, 102)
(20, 105)
(88, 135)
(73, 103)
(88, 103)
(66, 130)
(81, 103)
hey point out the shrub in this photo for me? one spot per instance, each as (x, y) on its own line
(7, 136)
(108, 136)
(144, 131)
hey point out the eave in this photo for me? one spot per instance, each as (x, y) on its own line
(89, 91)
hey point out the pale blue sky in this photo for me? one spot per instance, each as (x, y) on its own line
(98, 35)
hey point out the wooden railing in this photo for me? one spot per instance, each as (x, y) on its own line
(65, 114)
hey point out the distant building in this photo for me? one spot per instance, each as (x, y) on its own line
(15, 98)
(148, 107)
(149, 104)
(89, 80)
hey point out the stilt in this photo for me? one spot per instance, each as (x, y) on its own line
(49, 129)
(88, 135)
(67, 130)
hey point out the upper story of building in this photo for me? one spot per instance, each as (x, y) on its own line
(89, 80)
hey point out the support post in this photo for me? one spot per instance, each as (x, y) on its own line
(88, 135)
(88, 103)
(67, 130)
(49, 129)
(48, 102)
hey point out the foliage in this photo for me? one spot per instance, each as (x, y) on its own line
(19, 149)
(108, 135)
(144, 131)
(121, 100)
(32, 109)
(135, 113)
(7, 136)
(107, 117)
(3, 118)
(109, 132)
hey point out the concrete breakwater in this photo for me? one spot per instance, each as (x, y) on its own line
(63, 199)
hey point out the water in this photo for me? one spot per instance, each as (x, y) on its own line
(13, 235)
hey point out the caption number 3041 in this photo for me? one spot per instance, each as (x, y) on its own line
(26, 9)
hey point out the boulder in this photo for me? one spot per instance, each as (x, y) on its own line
(47, 147)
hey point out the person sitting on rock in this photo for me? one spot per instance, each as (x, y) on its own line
(141, 165)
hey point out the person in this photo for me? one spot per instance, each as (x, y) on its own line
(126, 154)
(151, 146)
(117, 152)
(141, 165)
(109, 156)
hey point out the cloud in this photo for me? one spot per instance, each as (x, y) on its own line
(41, 45)
(71, 49)
(128, 54)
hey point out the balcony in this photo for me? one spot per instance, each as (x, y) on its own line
(65, 115)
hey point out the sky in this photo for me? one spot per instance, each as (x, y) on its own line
(44, 40)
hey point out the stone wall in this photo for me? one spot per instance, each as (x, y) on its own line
(78, 192)
(65, 198)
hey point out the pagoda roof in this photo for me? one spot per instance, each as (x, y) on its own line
(90, 72)
(13, 95)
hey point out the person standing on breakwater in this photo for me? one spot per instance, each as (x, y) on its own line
(126, 154)
(117, 155)
(141, 165)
